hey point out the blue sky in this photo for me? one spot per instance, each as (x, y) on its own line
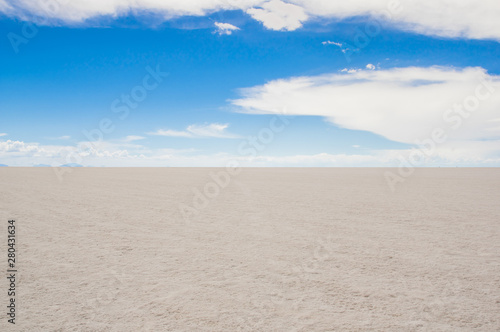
(340, 93)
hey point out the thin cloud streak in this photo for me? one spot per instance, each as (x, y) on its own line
(213, 130)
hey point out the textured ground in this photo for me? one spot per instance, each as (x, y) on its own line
(275, 250)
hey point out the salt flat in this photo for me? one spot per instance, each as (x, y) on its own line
(108, 249)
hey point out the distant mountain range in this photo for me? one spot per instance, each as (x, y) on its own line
(71, 165)
(3, 165)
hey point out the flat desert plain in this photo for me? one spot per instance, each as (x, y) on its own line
(295, 249)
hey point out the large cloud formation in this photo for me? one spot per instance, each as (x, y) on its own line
(401, 104)
(446, 18)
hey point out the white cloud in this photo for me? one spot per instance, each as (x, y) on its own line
(328, 42)
(77, 11)
(370, 66)
(215, 130)
(3, 134)
(18, 153)
(225, 28)
(171, 133)
(18, 146)
(132, 138)
(279, 15)
(4, 6)
(61, 138)
(446, 18)
(401, 104)
(380, 158)
(211, 130)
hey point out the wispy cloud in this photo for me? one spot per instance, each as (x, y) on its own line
(225, 28)
(343, 47)
(328, 42)
(171, 133)
(62, 138)
(349, 71)
(3, 134)
(213, 130)
(4, 6)
(133, 138)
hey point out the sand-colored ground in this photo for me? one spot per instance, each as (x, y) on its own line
(276, 250)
